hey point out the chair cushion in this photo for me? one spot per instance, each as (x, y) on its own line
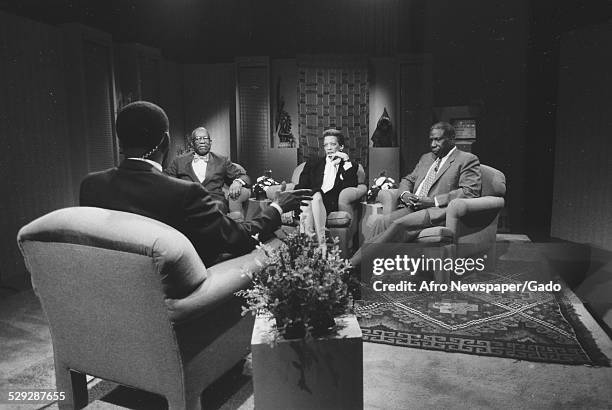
(436, 234)
(338, 219)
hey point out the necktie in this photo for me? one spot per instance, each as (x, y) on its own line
(429, 178)
(329, 176)
(197, 158)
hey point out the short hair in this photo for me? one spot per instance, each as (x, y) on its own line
(199, 129)
(448, 131)
(333, 132)
(141, 124)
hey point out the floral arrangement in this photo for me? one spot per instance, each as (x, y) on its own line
(380, 183)
(302, 286)
(262, 184)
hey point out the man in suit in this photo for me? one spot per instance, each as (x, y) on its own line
(139, 186)
(210, 169)
(440, 176)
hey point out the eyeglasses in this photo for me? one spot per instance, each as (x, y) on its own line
(195, 139)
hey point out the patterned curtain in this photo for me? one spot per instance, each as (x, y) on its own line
(333, 92)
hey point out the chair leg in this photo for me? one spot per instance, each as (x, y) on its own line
(445, 251)
(190, 403)
(74, 384)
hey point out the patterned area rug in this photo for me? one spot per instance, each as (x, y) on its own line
(522, 325)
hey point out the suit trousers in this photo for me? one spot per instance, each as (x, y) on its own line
(221, 201)
(401, 225)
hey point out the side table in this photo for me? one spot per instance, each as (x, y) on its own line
(321, 373)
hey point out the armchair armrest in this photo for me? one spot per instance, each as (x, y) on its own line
(474, 220)
(236, 206)
(388, 198)
(222, 281)
(272, 191)
(463, 206)
(245, 193)
(349, 196)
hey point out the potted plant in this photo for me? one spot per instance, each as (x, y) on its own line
(302, 287)
(307, 352)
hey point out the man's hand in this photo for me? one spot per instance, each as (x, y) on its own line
(417, 202)
(292, 200)
(422, 202)
(234, 190)
(408, 198)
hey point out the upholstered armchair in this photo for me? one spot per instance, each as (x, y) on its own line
(343, 223)
(471, 223)
(128, 299)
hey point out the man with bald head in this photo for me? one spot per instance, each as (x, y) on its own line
(209, 169)
(138, 185)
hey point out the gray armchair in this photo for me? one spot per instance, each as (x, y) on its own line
(128, 299)
(344, 222)
(471, 223)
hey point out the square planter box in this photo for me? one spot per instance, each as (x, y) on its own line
(323, 373)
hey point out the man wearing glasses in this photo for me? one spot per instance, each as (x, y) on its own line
(209, 169)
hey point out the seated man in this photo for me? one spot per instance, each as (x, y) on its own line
(139, 186)
(439, 177)
(209, 169)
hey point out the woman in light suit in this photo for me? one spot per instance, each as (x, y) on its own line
(326, 177)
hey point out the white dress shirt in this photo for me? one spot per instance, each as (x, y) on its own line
(329, 175)
(199, 164)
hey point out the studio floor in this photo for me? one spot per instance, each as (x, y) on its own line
(395, 377)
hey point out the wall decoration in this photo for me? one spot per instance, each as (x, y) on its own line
(282, 121)
(333, 92)
(384, 134)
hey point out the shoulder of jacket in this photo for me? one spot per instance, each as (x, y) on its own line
(216, 156)
(468, 156)
(102, 173)
(426, 157)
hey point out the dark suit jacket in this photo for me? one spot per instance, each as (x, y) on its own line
(312, 175)
(459, 177)
(138, 187)
(219, 171)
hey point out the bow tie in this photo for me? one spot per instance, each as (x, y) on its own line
(197, 158)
